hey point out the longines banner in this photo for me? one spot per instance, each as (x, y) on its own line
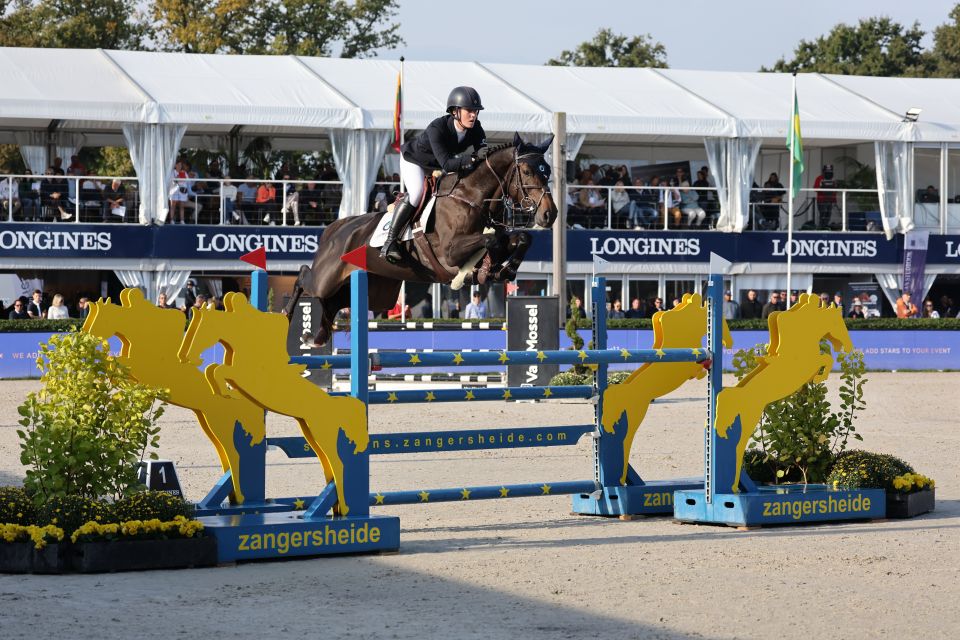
(199, 242)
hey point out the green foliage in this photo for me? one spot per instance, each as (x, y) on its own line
(576, 315)
(85, 431)
(279, 27)
(11, 161)
(609, 49)
(801, 434)
(857, 469)
(37, 326)
(71, 512)
(874, 47)
(572, 378)
(16, 507)
(149, 505)
(72, 24)
(946, 46)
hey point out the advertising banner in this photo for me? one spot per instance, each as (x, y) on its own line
(915, 264)
(531, 326)
(306, 319)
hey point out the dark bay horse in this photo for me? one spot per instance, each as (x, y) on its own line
(513, 178)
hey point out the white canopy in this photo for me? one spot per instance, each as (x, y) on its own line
(96, 91)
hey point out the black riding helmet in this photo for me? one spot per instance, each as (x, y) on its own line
(464, 97)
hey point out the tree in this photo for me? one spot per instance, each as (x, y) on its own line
(874, 47)
(609, 49)
(946, 46)
(280, 27)
(74, 24)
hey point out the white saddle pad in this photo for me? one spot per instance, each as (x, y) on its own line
(380, 235)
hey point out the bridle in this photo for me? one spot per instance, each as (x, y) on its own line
(527, 204)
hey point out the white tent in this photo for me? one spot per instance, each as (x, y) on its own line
(56, 100)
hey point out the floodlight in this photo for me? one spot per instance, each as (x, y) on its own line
(912, 114)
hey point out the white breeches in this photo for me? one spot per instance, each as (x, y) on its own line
(412, 176)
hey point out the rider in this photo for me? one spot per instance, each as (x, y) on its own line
(442, 145)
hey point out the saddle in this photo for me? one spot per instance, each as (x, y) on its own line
(425, 248)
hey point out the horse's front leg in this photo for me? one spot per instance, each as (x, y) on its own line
(518, 246)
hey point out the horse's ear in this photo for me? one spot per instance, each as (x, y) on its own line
(546, 144)
(517, 140)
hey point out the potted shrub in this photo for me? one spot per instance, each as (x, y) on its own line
(908, 493)
(31, 549)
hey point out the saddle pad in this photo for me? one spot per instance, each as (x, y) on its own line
(379, 236)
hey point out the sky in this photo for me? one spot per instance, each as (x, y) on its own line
(716, 35)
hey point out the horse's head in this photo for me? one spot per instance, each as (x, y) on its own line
(532, 186)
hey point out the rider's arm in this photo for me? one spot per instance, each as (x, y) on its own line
(447, 161)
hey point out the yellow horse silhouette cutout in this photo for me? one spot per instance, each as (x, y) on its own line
(256, 366)
(150, 339)
(793, 359)
(682, 327)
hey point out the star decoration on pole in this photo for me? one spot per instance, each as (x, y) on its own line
(506, 394)
(457, 358)
(503, 357)
(465, 494)
(504, 492)
(430, 397)
(392, 396)
(582, 355)
(424, 496)
(541, 356)
(547, 392)
(326, 365)
(379, 498)
(545, 488)
(298, 504)
(660, 353)
(414, 359)
(625, 353)
(469, 396)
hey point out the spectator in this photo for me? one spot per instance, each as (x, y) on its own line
(704, 195)
(592, 204)
(905, 308)
(675, 303)
(838, 299)
(76, 167)
(189, 295)
(947, 310)
(162, 301)
(19, 311)
(9, 196)
(824, 299)
(826, 197)
(731, 310)
(292, 201)
(690, 205)
(30, 198)
(928, 310)
(113, 207)
(57, 166)
(397, 314)
(773, 305)
(214, 171)
(576, 308)
(311, 202)
(856, 311)
(770, 199)
(228, 192)
(624, 207)
(793, 301)
(266, 202)
(646, 201)
(752, 307)
(657, 306)
(53, 195)
(246, 199)
(671, 197)
(199, 303)
(616, 312)
(36, 309)
(178, 193)
(476, 309)
(83, 307)
(636, 309)
(930, 195)
(58, 310)
(216, 302)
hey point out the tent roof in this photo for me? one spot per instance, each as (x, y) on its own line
(93, 90)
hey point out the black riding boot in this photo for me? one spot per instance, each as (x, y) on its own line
(401, 216)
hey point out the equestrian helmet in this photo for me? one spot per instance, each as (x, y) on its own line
(464, 97)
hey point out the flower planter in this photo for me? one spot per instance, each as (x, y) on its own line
(137, 555)
(53, 558)
(22, 557)
(16, 557)
(908, 505)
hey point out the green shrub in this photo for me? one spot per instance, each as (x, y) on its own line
(857, 469)
(150, 505)
(16, 507)
(570, 378)
(71, 512)
(617, 377)
(799, 436)
(85, 431)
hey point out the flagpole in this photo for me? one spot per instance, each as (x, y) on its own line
(403, 285)
(793, 120)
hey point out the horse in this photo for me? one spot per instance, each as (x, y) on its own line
(150, 340)
(256, 366)
(682, 327)
(793, 359)
(513, 178)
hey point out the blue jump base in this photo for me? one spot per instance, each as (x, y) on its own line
(653, 498)
(780, 504)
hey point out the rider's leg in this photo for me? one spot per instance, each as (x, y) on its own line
(412, 176)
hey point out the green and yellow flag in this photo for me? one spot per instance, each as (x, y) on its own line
(795, 143)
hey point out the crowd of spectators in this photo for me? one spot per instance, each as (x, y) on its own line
(638, 203)
(40, 306)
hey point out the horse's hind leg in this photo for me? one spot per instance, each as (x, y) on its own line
(297, 292)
